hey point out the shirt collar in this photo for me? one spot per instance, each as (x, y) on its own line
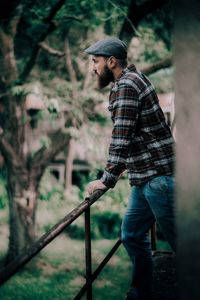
(130, 68)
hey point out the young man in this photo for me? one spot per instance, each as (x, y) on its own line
(143, 145)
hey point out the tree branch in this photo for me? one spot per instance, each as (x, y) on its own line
(135, 14)
(44, 155)
(51, 27)
(50, 50)
(88, 75)
(54, 11)
(69, 64)
(31, 62)
(14, 21)
(164, 63)
(7, 9)
(9, 153)
(74, 18)
(7, 36)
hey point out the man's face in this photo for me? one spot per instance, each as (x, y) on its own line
(104, 74)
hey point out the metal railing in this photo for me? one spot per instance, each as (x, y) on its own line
(13, 267)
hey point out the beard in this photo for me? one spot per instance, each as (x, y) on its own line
(105, 78)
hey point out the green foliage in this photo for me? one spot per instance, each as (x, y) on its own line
(162, 24)
(74, 14)
(99, 118)
(3, 192)
(49, 191)
(47, 196)
(76, 232)
(108, 224)
(76, 19)
(115, 12)
(148, 48)
(18, 90)
(53, 107)
(103, 225)
(163, 80)
(45, 142)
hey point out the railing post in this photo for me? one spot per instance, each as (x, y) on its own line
(88, 254)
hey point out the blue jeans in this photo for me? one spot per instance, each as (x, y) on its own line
(149, 202)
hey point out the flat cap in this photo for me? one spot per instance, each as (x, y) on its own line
(108, 47)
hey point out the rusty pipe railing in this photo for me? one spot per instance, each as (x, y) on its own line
(12, 268)
(88, 252)
(88, 284)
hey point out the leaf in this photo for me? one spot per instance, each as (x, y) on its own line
(45, 142)
(18, 90)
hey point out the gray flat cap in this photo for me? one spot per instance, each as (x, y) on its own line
(108, 47)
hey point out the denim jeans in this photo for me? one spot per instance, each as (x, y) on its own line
(153, 200)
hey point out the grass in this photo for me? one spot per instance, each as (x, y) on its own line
(58, 273)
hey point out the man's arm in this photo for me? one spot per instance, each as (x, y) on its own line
(126, 111)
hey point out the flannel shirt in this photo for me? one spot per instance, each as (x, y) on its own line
(142, 142)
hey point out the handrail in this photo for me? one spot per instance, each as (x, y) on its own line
(12, 268)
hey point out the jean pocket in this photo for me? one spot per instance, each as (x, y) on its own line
(159, 184)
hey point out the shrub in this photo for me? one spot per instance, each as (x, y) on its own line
(108, 224)
(75, 232)
(103, 225)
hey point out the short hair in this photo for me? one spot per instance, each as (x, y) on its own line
(122, 62)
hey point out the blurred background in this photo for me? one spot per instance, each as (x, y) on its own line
(55, 131)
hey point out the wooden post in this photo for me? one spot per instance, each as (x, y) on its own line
(187, 101)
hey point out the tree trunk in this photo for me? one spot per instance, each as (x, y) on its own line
(69, 64)
(22, 208)
(69, 165)
(23, 171)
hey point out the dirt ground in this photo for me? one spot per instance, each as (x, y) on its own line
(165, 280)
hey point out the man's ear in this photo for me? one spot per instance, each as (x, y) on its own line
(112, 62)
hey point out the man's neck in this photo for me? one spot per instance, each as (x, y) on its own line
(117, 72)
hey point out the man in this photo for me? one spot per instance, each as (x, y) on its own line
(143, 145)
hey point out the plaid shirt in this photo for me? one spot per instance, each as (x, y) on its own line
(142, 142)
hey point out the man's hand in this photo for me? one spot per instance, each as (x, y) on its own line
(93, 186)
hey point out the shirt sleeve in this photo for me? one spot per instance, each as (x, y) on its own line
(125, 116)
